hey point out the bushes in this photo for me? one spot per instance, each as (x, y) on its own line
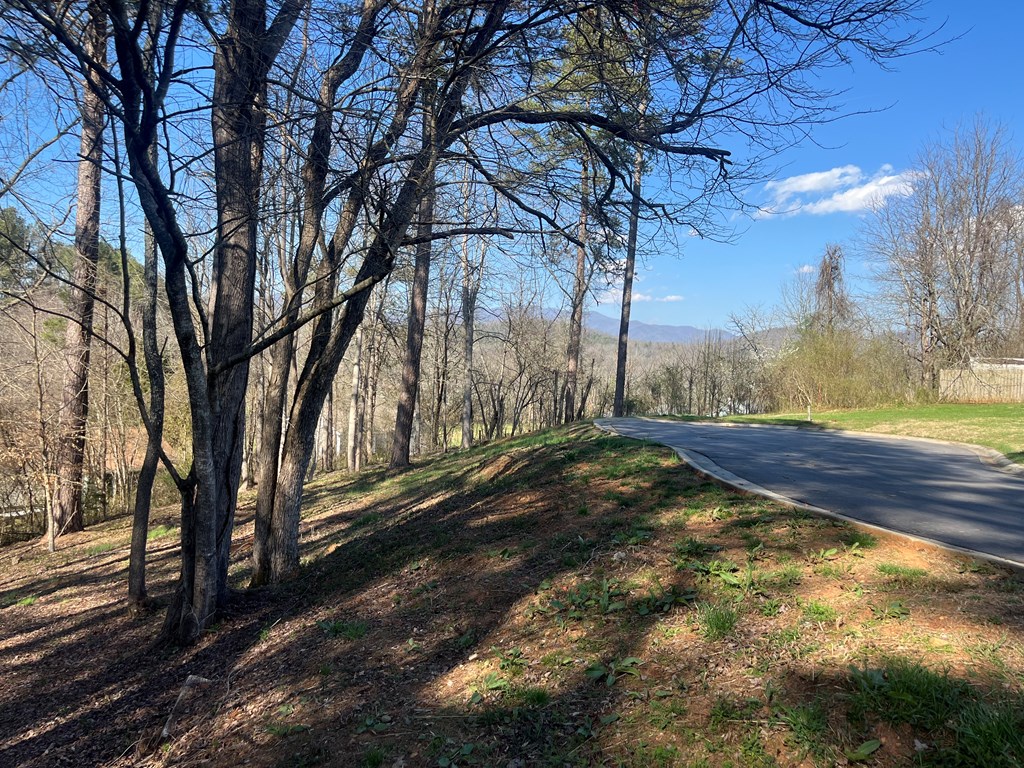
(840, 369)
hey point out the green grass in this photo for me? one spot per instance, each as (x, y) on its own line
(972, 729)
(998, 425)
(370, 518)
(159, 532)
(350, 630)
(901, 574)
(808, 729)
(716, 620)
(859, 539)
(818, 611)
(99, 549)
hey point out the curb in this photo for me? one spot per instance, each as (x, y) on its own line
(987, 455)
(707, 468)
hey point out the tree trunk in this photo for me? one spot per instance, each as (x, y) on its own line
(147, 474)
(378, 262)
(281, 355)
(314, 176)
(320, 368)
(242, 60)
(470, 290)
(579, 294)
(352, 455)
(619, 405)
(409, 390)
(328, 433)
(67, 509)
(414, 339)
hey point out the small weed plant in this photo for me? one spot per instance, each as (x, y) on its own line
(716, 620)
(350, 630)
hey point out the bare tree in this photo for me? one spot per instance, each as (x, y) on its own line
(67, 509)
(619, 404)
(832, 306)
(472, 275)
(485, 60)
(577, 298)
(420, 282)
(207, 336)
(945, 252)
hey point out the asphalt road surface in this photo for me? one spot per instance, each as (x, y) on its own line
(942, 492)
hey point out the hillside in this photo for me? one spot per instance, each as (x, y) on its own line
(563, 598)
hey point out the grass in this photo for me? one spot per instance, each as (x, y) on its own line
(159, 532)
(808, 729)
(999, 426)
(972, 729)
(716, 621)
(815, 610)
(349, 630)
(901, 574)
(463, 612)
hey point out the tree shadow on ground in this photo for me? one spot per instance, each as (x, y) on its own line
(417, 587)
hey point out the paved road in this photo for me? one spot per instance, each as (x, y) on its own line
(937, 491)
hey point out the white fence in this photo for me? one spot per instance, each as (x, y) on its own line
(983, 382)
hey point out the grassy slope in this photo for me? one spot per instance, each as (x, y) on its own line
(567, 598)
(999, 426)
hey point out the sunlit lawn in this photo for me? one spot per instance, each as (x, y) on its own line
(999, 426)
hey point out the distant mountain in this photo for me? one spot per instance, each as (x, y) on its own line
(674, 334)
(604, 325)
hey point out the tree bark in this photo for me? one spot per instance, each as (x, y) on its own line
(150, 463)
(67, 509)
(281, 355)
(407, 395)
(137, 593)
(619, 405)
(471, 275)
(314, 178)
(241, 63)
(353, 444)
(579, 294)
(323, 361)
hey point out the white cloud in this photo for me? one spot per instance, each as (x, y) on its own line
(614, 296)
(805, 269)
(840, 190)
(822, 181)
(647, 297)
(610, 295)
(864, 197)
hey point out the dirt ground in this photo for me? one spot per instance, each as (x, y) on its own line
(567, 598)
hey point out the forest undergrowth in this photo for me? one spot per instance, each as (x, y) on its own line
(562, 598)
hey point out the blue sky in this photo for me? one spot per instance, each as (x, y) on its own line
(824, 186)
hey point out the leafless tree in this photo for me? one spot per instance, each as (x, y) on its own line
(67, 508)
(832, 307)
(947, 252)
(740, 78)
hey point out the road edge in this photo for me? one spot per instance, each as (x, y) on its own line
(989, 456)
(704, 466)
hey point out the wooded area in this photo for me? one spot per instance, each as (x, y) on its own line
(245, 243)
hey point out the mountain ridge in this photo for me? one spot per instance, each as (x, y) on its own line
(656, 332)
